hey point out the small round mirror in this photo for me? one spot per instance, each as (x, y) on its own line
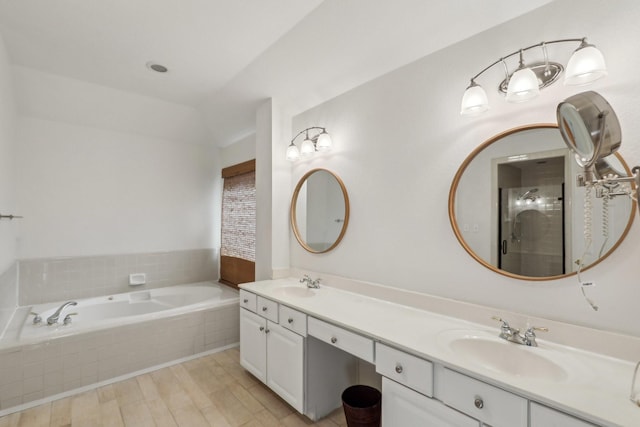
(319, 211)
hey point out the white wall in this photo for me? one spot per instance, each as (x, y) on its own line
(7, 171)
(238, 152)
(130, 174)
(400, 139)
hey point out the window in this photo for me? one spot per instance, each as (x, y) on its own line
(238, 248)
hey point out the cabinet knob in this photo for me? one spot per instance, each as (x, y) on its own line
(479, 403)
(290, 320)
(264, 308)
(267, 331)
(334, 340)
(399, 368)
(261, 328)
(246, 300)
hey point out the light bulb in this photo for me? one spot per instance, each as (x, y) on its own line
(307, 148)
(293, 153)
(474, 100)
(324, 142)
(585, 66)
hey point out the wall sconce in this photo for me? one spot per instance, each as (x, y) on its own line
(585, 66)
(321, 141)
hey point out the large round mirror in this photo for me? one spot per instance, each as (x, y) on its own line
(515, 207)
(319, 211)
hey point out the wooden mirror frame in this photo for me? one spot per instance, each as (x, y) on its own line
(294, 222)
(458, 234)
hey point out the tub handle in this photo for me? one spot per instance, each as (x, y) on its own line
(67, 318)
(36, 318)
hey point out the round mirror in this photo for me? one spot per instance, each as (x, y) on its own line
(319, 211)
(515, 207)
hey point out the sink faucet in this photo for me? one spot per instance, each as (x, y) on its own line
(513, 335)
(54, 317)
(310, 282)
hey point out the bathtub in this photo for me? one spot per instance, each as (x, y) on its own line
(111, 337)
(108, 311)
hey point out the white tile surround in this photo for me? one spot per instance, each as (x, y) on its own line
(32, 372)
(55, 279)
(8, 295)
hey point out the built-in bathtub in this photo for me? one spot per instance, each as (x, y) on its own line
(110, 337)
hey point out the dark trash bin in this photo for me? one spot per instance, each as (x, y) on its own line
(362, 406)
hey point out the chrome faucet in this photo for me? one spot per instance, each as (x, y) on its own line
(54, 317)
(513, 335)
(310, 282)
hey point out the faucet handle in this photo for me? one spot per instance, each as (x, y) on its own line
(531, 330)
(67, 318)
(36, 318)
(306, 278)
(505, 324)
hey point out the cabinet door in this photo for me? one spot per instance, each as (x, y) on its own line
(285, 364)
(403, 407)
(253, 344)
(541, 416)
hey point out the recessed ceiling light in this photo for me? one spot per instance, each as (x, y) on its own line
(157, 67)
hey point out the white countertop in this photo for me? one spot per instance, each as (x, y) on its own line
(598, 391)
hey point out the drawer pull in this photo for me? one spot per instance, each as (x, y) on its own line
(261, 328)
(334, 340)
(399, 368)
(246, 300)
(264, 308)
(290, 320)
(478, 403)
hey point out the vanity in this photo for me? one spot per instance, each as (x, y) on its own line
(436, 370)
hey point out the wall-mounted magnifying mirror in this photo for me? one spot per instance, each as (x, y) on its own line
(591, 130)
(319, 211)
(515, 207)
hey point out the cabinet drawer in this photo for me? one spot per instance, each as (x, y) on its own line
(541, 416)
(404, 368)
(267, 309)
(248, 300)
(345, 340)
(293, 320)
(489, 404)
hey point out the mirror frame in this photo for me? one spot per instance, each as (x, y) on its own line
(294, 200)
(458, 234)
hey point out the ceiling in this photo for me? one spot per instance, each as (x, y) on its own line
(226, 56)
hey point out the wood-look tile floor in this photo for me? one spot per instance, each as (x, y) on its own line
(209, 391)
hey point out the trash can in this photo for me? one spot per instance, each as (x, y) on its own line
(362, 406)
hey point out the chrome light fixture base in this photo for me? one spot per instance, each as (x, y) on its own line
(547, 75)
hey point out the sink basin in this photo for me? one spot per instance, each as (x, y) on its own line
(295, 291)
(498, 355)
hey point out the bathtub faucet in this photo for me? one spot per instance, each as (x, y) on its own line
(54, 317)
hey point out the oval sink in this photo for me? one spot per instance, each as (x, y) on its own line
(498, 355)
(295, 291)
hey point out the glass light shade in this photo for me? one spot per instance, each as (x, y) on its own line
(293, 153)
(307, 148)
(523, 85)
(585, 66)
(324, 142)
(474, 101)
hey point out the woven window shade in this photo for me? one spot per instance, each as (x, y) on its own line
(239, 217)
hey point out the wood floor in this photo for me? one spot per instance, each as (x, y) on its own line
(212, 391)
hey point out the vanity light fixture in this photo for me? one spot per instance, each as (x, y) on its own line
(585, 66)
(321, 141)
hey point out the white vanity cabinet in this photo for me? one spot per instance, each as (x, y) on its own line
(272, 353)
